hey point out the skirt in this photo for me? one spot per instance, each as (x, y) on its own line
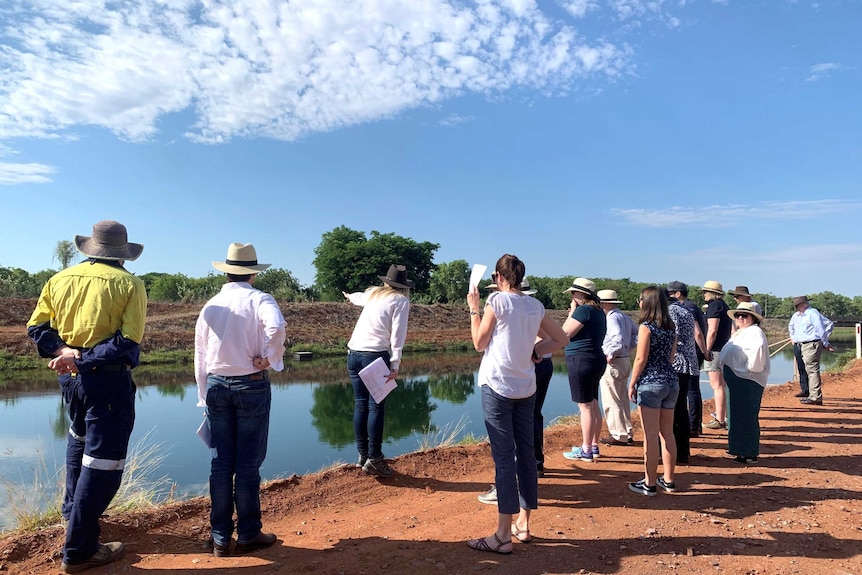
(743, 409)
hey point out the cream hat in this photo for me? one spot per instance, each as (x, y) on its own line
(583, 285)
(747, 307)
(241, 260)
(713, 287)
(608, 296)
(525, 287)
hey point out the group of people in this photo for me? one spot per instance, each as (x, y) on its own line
(89, 320)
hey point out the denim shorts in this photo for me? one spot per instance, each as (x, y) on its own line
(658, 395)
(712, 365)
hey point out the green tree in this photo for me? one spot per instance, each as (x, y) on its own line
(832, 304)
(280, 283)
(65, 253)
(449, 282)
(346, 260)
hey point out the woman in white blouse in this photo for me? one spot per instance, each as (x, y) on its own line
(379, 333)
(745, 366)
(506, 332)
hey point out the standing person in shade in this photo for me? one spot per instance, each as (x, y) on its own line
(90, 320)
(742, 295)
(585, 327)
(745, 367)
(717, 333)
(689, 339)
(621, 337)
(506, 334)
(655, 386)
(239, 335)
(810, 331)
(679, 291)
(380, 332)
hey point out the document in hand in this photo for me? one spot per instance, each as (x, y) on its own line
(476, 274)
(205, 433)
(374, 377)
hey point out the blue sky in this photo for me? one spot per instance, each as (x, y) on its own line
(655, 140)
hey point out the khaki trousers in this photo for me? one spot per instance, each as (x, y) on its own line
(615, 398)
(811, 353)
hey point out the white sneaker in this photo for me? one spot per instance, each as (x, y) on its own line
(489, 497)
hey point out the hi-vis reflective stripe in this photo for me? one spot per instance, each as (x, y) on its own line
(75, 436)
(104, 464)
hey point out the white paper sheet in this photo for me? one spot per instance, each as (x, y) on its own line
(374, 377)
(476, 274)
(205, 433)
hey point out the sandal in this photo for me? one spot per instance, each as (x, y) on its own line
(483, 545)
(522, 535)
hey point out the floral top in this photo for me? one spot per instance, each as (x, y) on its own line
(685, 360)
(659, 369)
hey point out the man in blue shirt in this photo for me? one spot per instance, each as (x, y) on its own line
(809, 332)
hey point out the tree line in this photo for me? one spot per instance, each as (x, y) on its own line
(349, 260)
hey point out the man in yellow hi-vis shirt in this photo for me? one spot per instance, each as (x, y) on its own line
(90, 321)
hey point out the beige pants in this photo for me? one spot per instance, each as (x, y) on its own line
(811, 353)
(615, 398)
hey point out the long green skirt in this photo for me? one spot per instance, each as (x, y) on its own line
(743, 408)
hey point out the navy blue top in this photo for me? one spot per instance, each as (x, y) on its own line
(659, 369)
(589, 339)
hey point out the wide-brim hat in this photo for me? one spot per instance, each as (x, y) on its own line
(397, 277)
(713, 287)
(108, 242)
(582, 285)
(739, 290)
(800, 299)
(491, 286)
(525, 287)
(608, 296)
(241, 260)
(747, 307)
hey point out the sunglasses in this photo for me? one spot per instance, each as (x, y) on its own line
(640, 299)
(741, 315)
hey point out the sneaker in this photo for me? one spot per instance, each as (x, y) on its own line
(377, 467)
(489, 497)
(595, 452)
(362, 460)
(107, 553)
(642, 488)
(667, 487)
(716, 424)
(262, 541)
(745, 460)
(579, 453)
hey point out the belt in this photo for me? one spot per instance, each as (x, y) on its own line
(257, 376)
(812, 341)
(113, 367)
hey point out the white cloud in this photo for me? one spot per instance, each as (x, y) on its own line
(579, 8)
(275, 69)
(454, 120)
(11, 174)
(733, 214)
(818, 71)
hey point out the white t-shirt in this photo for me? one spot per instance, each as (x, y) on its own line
(747, 354)
(507, 366)
(382, 325)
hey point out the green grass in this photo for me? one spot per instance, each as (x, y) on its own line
(842, 360)
(471, 439)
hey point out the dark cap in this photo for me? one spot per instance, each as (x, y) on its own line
(676, 286)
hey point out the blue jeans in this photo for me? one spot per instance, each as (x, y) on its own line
(509, 423)
(238, 413)
(367, 413)
(101, 406)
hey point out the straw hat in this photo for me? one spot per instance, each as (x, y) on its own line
(397, 277)
(582, 285)
(241, 260)
(747, 307)
(608, 296)
(108, 242)
(713, 287)
(525, 287)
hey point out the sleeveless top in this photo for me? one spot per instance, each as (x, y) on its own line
(659, 369)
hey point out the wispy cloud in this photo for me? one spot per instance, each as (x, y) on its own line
(454, 120)
(579, 8)
(733, 214)
(277, 69)
(11, 174)
(822, 70)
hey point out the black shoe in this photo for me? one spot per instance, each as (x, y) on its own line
(801, 394)
(107, 553)
(262, 541)
(377, 467)
(809, 401)
(745, 460)
(540, 469)
(221, 550)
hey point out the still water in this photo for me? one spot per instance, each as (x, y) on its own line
(311, 423)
